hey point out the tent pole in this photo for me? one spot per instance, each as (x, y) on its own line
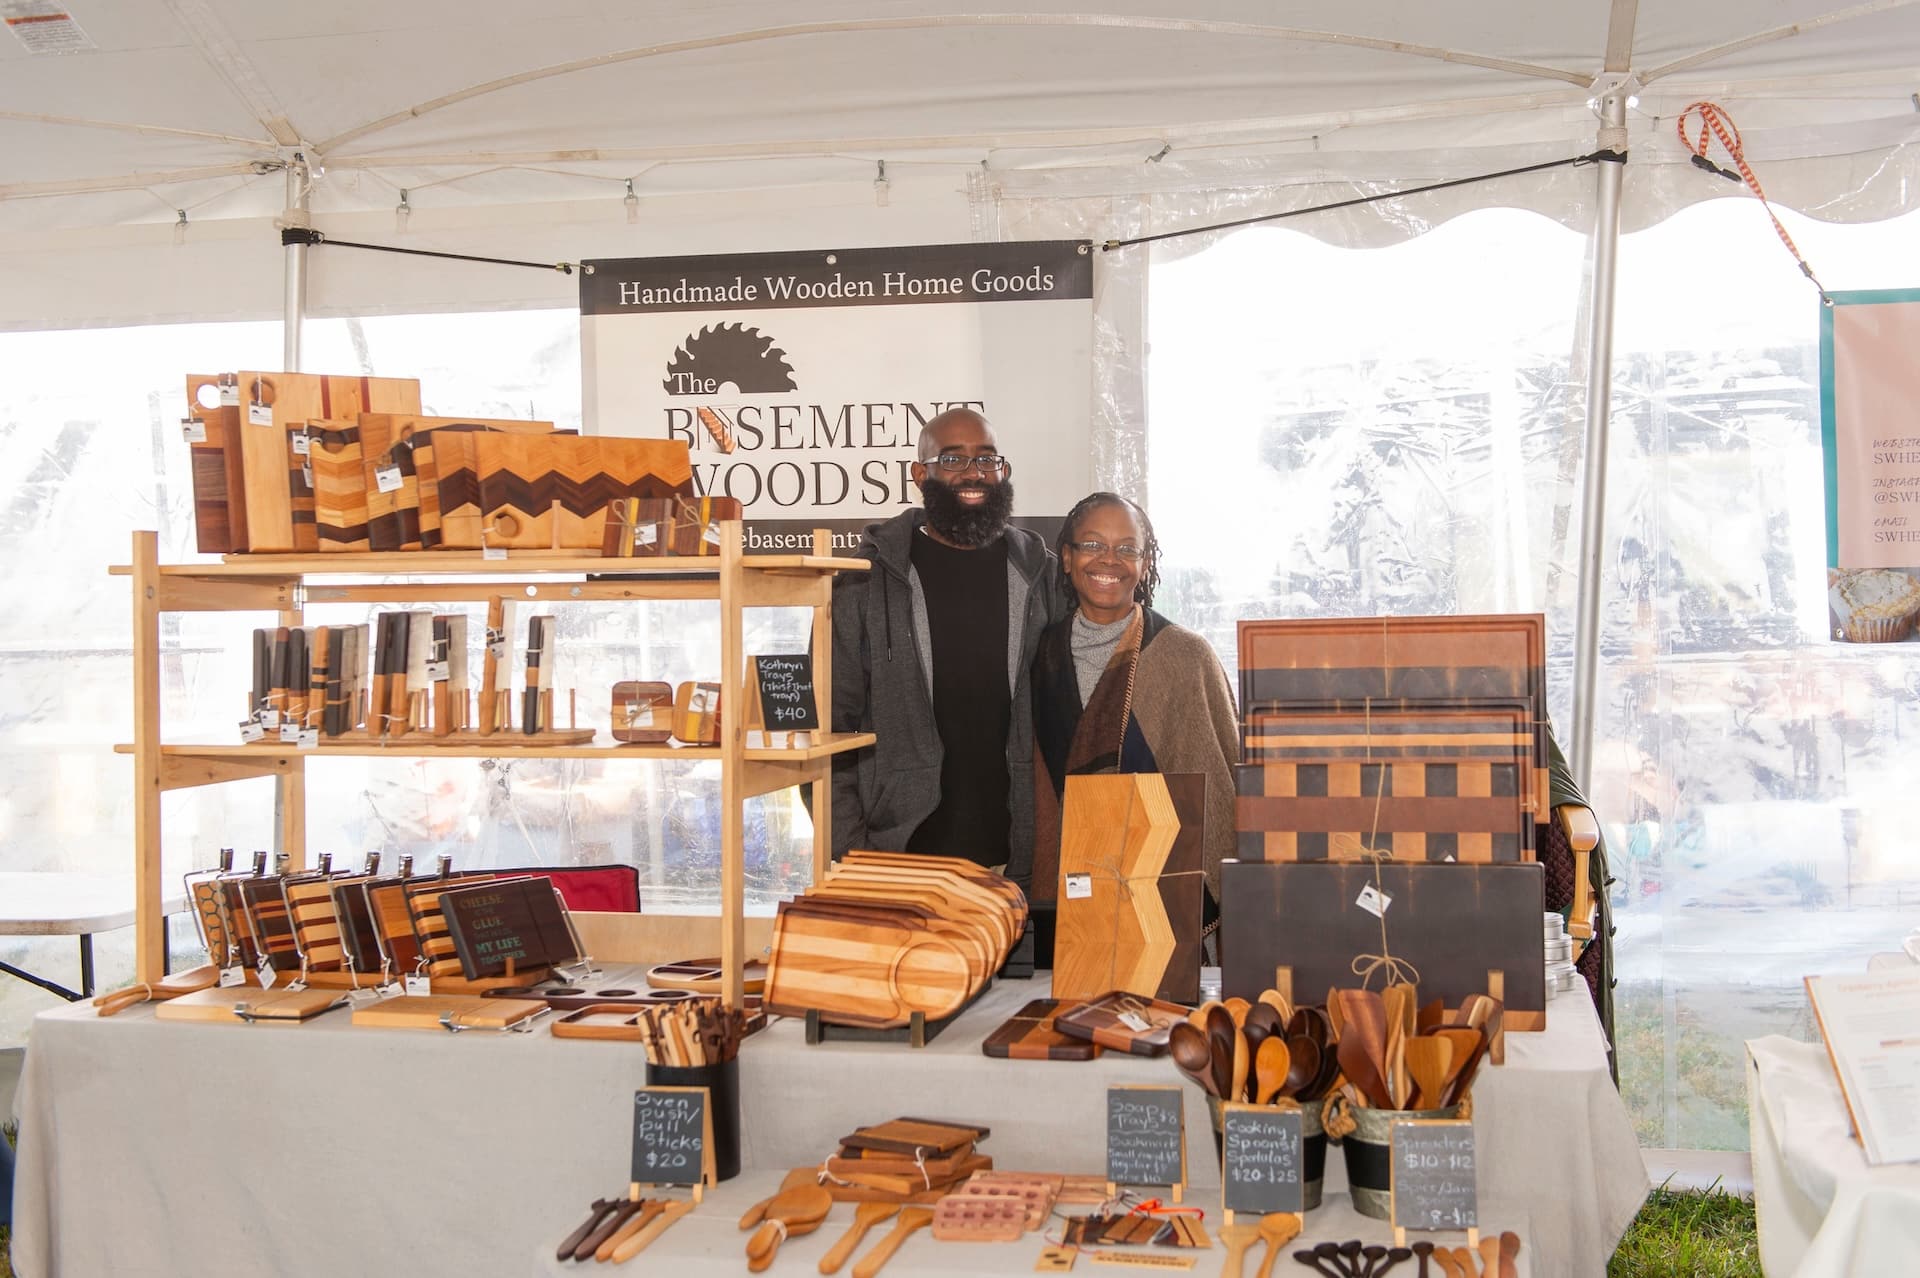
(299, 188)
(1593, 503)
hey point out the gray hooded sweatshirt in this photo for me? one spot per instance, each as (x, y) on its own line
(883, 684)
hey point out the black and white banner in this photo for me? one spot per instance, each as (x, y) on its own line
(820, 368)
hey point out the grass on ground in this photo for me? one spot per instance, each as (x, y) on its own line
(1689, 1234)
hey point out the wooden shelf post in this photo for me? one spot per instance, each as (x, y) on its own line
(150, 926)
(733, 739)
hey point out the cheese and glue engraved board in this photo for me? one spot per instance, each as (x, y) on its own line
(518, 921)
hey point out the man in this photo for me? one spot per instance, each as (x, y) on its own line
(931, 652)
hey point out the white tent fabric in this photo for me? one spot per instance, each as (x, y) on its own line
(749, 124)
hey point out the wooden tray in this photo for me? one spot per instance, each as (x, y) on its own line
(249, 1005)
(424, 1011)
(1030, 1035)
(1466, 928)
(1098, 1021)
(912, 1136)
(547, 491)
(702, 976)
(642, 712)
(616, 1022)
(1142, 934)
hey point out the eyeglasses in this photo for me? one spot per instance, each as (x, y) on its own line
(1100, 549)
(956, 463)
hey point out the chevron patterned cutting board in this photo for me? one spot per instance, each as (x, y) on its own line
(536, 491)
(278, 495)
(1129, 898)
(406, 516)
(339, 489)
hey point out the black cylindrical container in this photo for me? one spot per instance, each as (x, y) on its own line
(722, 1082)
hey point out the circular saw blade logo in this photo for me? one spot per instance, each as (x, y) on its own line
(719, 356)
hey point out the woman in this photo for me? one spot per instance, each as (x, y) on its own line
(1119, 688)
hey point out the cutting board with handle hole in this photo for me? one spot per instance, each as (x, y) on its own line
(542, 491)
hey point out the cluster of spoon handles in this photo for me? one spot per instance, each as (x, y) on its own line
(1496, 1259)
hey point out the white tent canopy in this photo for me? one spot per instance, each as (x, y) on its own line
(746, 124)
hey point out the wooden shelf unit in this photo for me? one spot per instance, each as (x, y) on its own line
(286, 584)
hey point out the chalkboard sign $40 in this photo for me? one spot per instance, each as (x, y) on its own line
(784, 692)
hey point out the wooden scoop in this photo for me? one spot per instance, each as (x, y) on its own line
(1263, 1019)
(1279, 1229)
(798, 1176)
(911, 1218)
(204, 977)
(1237, 1238)
(633, 1244)
(1509, 1254)
(803, 1205)
(1429, 1061)
(865, 1217)
(1279, 1003)
(1238, 1009)
(1303, 1065)
(1271, 1070)
(1242, 1066)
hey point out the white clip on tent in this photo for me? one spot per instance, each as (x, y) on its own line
(520, 131)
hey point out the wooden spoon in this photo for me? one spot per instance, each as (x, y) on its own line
(798, 1176)
(1264, 1019)
(1279, 1229)
(1220, 1032)
(1198, 1016)
(1271, 1069)
(1192, 1052)
(1428, 1061)
(1242, 1065)
(1237, 1238)
(1489, 1256)
(865, 1217)
(1509, 1254)
(1444, 1259)
(911, 1218)
(1303, 1065)
(1279, 1003)
(1463, 1261)
(1238, 1009)
(636, 1243)
(801, 1205)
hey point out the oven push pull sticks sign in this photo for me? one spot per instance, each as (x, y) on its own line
(800, 382)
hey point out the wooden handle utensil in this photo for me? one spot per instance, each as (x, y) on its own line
(635, 1222)
(1279, 1229)
(911, 1218)
(865, 1217)
(204, 977)
(635, 1243)
(1237, 1238)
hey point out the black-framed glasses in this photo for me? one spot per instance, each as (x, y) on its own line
(958, 463)
(1126, 551)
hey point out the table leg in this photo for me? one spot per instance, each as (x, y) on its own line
(86, 965)
(50, 986)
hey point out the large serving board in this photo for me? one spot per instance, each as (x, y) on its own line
(539, 491)
(279, 507)
(407, 515)
(1349, 661)
(1416, 810)
(1466, 929)
(1130, 890)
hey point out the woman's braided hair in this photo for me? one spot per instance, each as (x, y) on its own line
(1149, 561)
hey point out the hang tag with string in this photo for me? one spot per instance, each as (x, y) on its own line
(259, 414)
(387, 478)
(1079, 886)
(1374, 901)
(194, 429)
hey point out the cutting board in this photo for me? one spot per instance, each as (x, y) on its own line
(264, 1007)
(1419, 810)
(407, 515)
(540, 491)
(642, 712)
(469, 1011)
(972, 871)
(1465, 928)
(696, 713)
(207, 458)
(648, 527)
(279, 505)
(339, 487)
(1129, 897)
(1349, 660)
(860, 966)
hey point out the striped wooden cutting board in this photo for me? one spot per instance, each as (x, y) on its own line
(339, 485)
(534, 492)
(280, 513)
(860, 966)
(1477, 811)
(213, 516)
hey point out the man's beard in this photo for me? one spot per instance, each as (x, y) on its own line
(965, 525)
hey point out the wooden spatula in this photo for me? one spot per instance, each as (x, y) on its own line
(865, 1217)
(1277, 1230)
(1363, 1044)
(626, 1249)
(204, 977)
(1237, 1238)
(1429, 1059)
(798, 1176)
(1398, 1002)
(911, 1218)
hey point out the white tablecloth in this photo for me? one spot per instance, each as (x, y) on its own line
(152, 1147)
(1823, 1212)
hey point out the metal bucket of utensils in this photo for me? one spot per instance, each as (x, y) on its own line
(1313, 1148)
(1368, 1150)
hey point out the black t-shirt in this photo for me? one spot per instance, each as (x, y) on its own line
(966, 594)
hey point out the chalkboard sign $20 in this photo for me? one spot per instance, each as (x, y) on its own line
(672, 1136)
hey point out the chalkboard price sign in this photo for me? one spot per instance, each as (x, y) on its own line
(672, 1136)
(1434, 1186)
(1261, 1159)
(784, 687)
(1146, 1136)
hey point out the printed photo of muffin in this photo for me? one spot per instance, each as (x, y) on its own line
(1875, 605)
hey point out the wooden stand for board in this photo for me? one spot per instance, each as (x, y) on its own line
(917, 1032)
